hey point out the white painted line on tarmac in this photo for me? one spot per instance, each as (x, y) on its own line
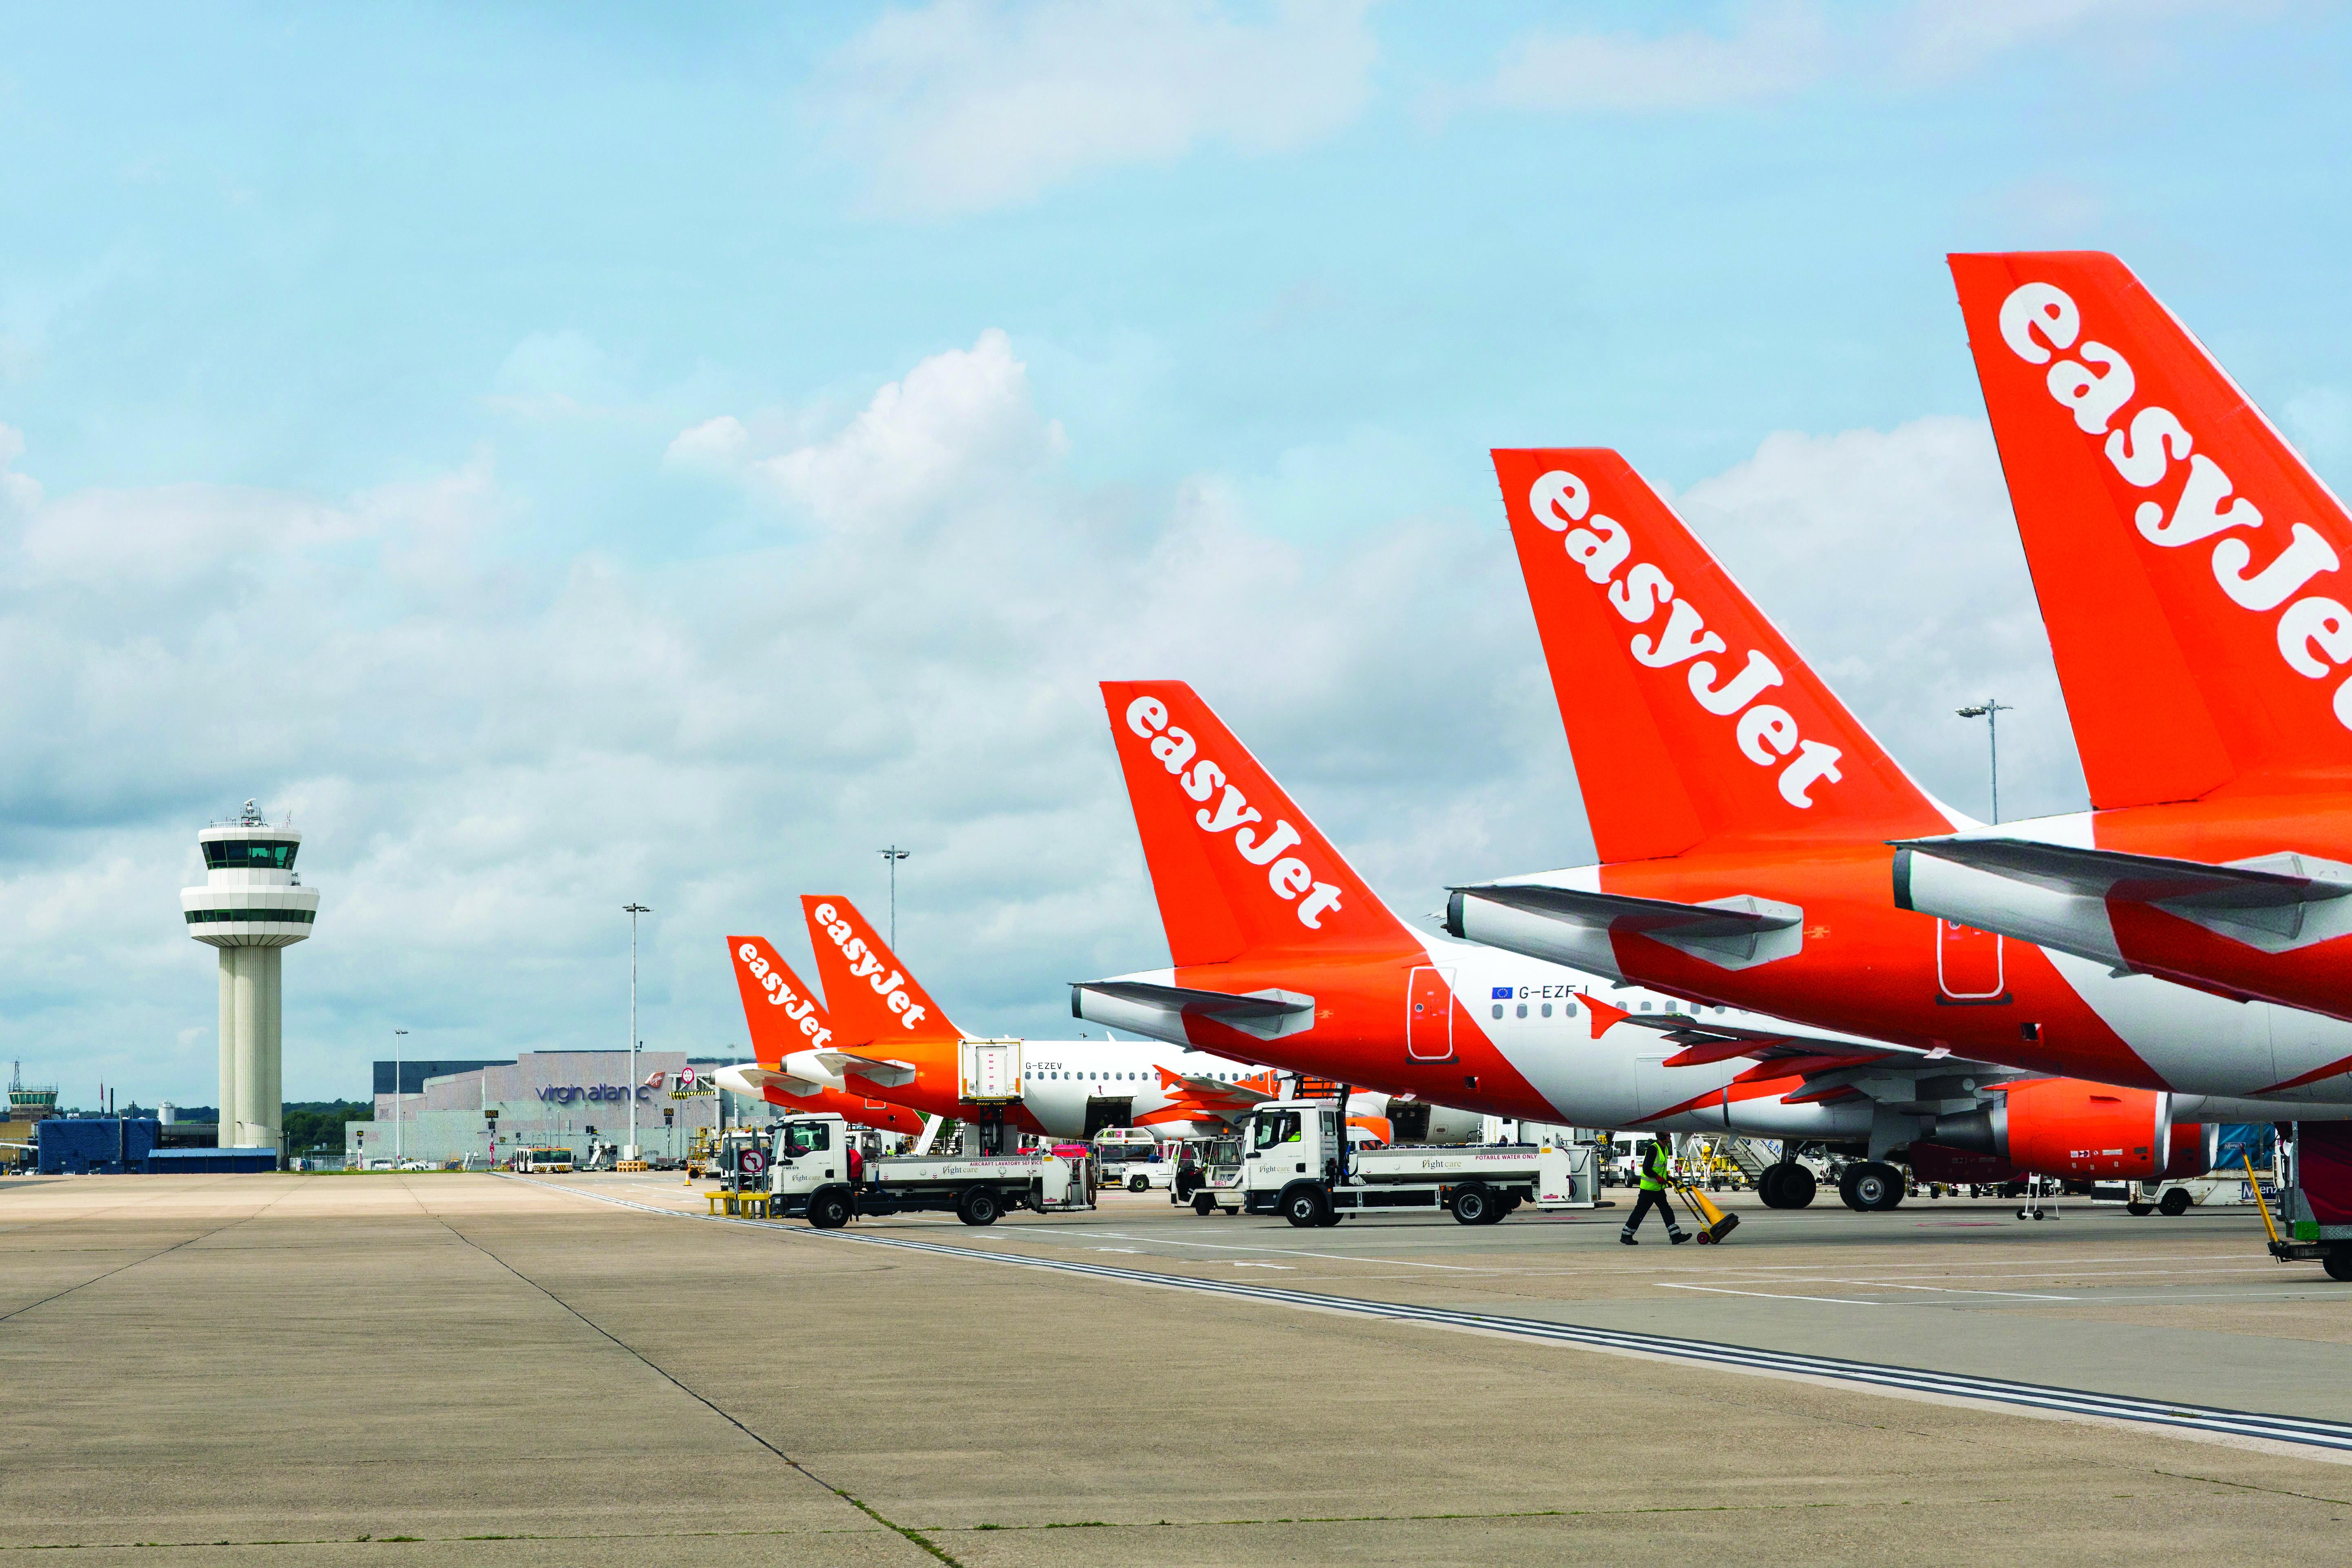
(2301, 1436)
(1280, 1252)
(1948, 1289)
(1768, 1295)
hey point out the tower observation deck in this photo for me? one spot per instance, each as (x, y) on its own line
(252, 907)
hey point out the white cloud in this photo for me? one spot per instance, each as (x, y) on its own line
(1772, 49)
(1891, 560)
(2320, 419)
(715, 445)
(19, 493)
(968, 105)
(956, 420)
(1945, 38)
(1772, 52)
(488, 762)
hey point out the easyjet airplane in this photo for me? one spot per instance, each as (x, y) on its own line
(1282, 952)
(2192, 572)
(1743, 816)
(798, 1066)
(1069, 1088)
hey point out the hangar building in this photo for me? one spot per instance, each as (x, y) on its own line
(439, 1111)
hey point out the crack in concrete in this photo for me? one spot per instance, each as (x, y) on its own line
(911, 1534)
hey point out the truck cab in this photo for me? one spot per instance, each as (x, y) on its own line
(1295, 1163)
(808, 1178)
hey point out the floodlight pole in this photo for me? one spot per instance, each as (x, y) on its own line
(892, 856)
(633, 911)
(1990, 712)
(397, 1036)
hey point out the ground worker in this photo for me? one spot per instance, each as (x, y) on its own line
(1656, 1164)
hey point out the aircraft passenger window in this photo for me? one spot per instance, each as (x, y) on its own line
(1567, 1010)
(1499, 1009)
(1523, 1009)
(1645, 1006)
(1546, 1009)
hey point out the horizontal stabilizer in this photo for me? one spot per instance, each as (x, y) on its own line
(2274, 903)
(1738, 932)
(1137, 1004)
(752, 1082)
(881, 1074)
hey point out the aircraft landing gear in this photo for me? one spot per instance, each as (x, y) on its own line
(1871, 1187)
(1786, 1185)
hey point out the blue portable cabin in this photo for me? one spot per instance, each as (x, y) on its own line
(76, 1145)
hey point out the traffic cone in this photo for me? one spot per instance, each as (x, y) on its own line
(1713, 1224)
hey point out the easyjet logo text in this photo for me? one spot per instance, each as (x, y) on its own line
(802, 1010)
(863, 966)
(2041, 321)
(1766, 734)
(1202, 778)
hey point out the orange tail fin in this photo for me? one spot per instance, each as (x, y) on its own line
(875, 1000)
(1691, 718)
(1236, 865)
(784, 1013)
(2189, 565)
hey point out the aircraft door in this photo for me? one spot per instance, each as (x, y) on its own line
(1968, 962)
(1103, 1112)
(1429, 1015)
(1408, 1122)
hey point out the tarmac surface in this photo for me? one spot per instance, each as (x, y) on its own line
(425, 1368)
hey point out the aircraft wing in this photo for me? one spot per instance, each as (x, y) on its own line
(2267, 902)
(1831, 1064)
(1213, 1090)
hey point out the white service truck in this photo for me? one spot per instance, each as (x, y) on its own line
(1292, 1165)
(808, 1177)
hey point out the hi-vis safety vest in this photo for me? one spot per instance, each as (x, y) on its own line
(1653, 1166)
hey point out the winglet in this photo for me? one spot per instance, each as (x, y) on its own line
(2191, 568)
(1691, 718)
(875, 1000)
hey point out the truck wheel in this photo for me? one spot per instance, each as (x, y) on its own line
(1204, 1205)
(828, 1211)
(1474, 1206)
(1305, 1206)
(2339, 1264)
(2174, 1203)
(1138, 1184)
(980, 1206)
(2139, 1211)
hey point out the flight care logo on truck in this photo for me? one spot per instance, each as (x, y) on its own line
(863, 966)
(2040, 323)
(1764, 731)
(1291, 878)
(800, 1009)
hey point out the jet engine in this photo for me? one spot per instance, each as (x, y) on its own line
(2196, 1149)
(2066, 1128)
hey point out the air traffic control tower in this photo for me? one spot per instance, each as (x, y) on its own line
(251, 907)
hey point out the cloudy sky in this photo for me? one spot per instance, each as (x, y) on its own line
(582, 454)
